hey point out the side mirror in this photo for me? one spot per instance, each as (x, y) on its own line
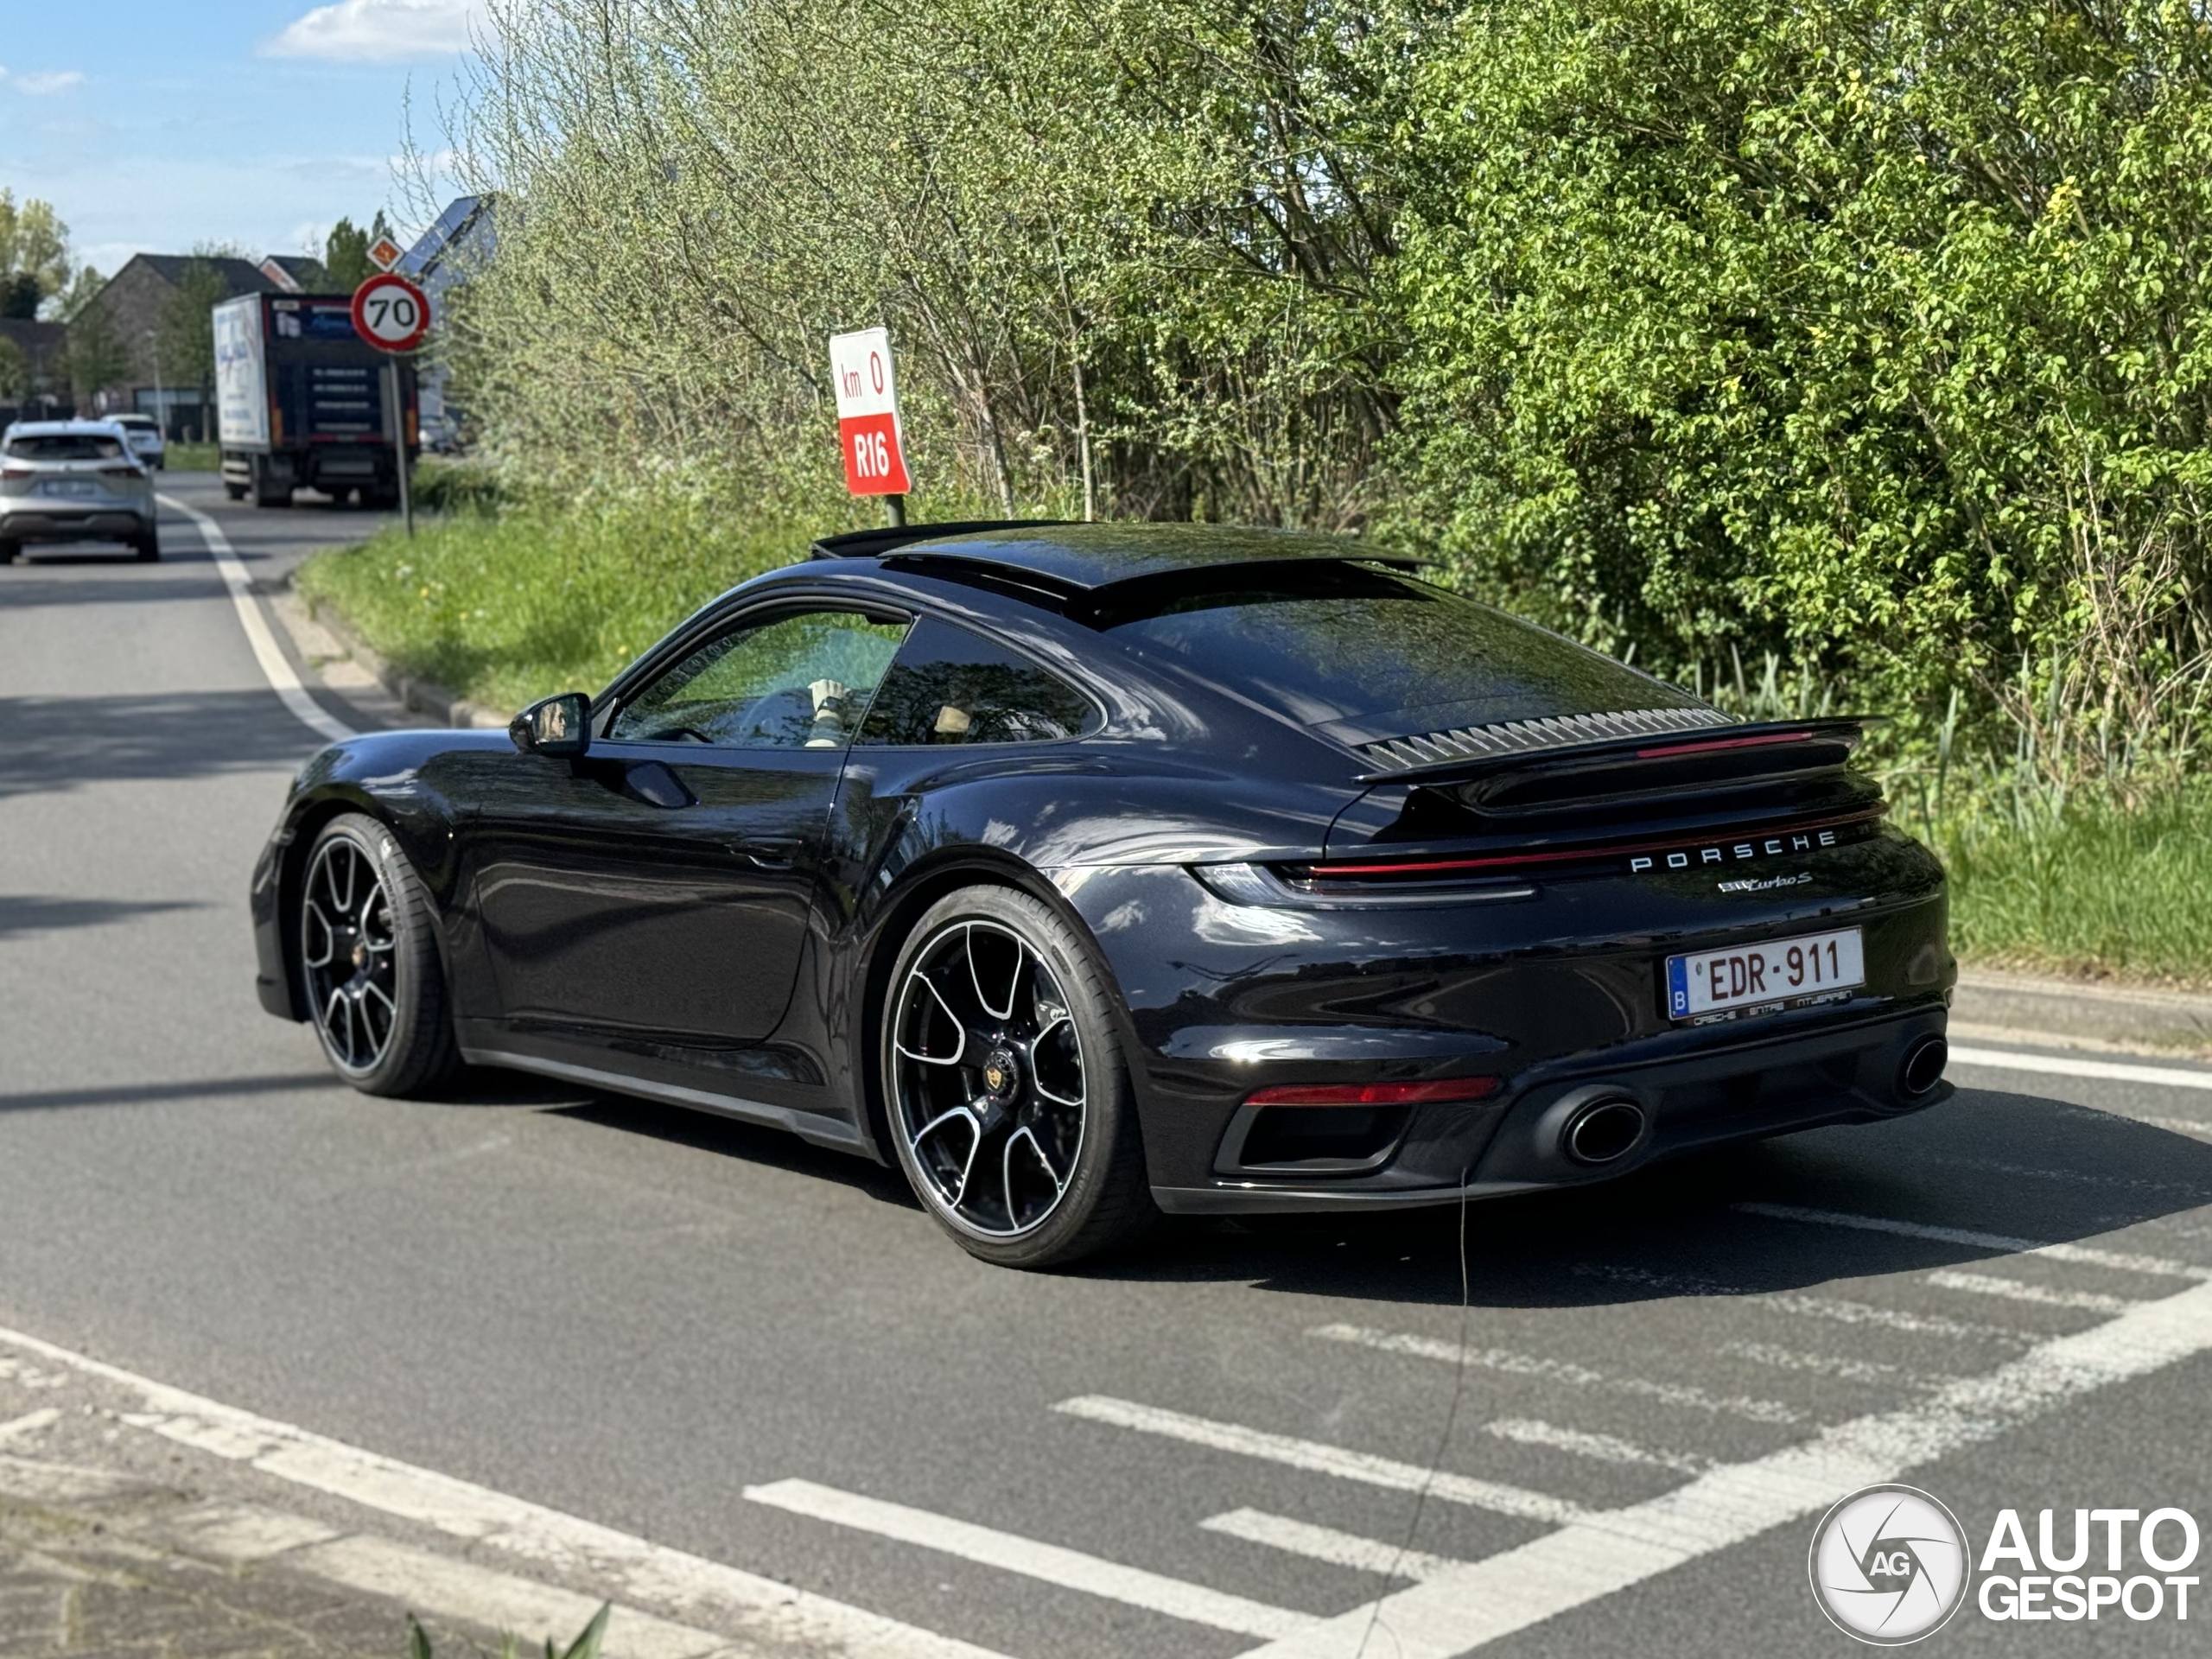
(560, 726)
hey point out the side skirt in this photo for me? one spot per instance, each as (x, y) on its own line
(807, 1126)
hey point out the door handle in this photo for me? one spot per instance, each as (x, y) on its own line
(770, 851)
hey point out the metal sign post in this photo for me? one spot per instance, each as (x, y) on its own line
(868, 419)
(393, 316)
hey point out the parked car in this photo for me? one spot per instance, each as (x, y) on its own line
(74, 482)
(1090, 871)
(144, 434)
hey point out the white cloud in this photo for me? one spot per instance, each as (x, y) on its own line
(378, 31)
(41, 82)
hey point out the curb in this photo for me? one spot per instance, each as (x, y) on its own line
(424, 696)
(2059, 1012)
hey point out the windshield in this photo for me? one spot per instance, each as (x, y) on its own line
(1369, 654)
(66, 446)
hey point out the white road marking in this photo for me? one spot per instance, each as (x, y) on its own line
(2195, 1190)
(442, 1587)
(2185, 1125)
(1990, 1284)
(274, 669)
(1009, 1551)
(1851, 1370)
(1327, 1544)
(1324, 1459)
(557, 1544)
(1560, 1370)
(2086, 1255)
(2060, 1065)
(1600, 1448)
(29, 1423)
(1466, 1607)
(1835, 1309)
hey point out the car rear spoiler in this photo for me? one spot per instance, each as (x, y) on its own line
(1830, 731)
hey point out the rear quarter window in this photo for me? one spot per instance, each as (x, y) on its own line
(948, 685)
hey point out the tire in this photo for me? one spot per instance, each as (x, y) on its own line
(380, 1010)
(264, 496)
(10, 551)
(236, 491)
(147, 547)
(1058, 1122)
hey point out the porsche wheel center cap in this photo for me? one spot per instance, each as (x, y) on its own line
(1001, 1073)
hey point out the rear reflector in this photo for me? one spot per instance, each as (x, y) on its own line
(1375, 1094)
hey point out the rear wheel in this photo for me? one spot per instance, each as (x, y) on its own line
(236, 491)
(148, 547)
(1009, 1101)
(375, 986)
(10, 551)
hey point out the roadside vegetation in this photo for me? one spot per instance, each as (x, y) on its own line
(1848, 355)
(194, 457)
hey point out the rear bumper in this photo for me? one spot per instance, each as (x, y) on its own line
(1746, 1091)
(94, 524)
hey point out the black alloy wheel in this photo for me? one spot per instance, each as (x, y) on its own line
(1010, 1104)
(375, 987)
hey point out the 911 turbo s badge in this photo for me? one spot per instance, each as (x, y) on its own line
(1767, 886)
(1772, 846)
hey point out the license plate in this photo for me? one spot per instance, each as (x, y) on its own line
(1779, 971)
(76, 486)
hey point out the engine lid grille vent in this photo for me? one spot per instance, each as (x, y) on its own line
(1525, 736)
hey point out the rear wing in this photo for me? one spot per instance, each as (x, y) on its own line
(1569, 744)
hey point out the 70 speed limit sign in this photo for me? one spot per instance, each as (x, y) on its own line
(391, 313)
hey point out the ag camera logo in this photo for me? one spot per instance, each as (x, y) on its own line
(1888, 1565)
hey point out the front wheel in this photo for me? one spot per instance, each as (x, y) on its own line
(1009, 1100)
(376, 987)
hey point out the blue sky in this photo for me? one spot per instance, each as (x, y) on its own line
(153, 125)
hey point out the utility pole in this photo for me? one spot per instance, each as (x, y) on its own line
(161, 393)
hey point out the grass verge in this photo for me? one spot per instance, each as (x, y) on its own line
(2098, 889)
(192, 457)
(510, 607)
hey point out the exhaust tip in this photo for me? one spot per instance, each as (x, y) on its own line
(1922, 1067)
(1603, 1131)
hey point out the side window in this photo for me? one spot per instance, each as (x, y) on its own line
(800, 680)
(951, 686)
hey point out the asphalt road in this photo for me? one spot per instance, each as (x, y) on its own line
(635, 1315)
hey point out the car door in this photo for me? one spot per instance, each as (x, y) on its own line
(658, 888)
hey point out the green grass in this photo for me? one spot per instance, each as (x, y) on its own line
(508, 608)
(194, 457)
(2098, 890)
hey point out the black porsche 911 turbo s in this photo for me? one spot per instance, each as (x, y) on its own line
(1090, 871)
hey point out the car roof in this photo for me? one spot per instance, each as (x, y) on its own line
(1071, 560)
(131, 420)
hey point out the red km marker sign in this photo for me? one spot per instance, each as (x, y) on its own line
(867, 413)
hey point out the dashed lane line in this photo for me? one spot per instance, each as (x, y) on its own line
(1070, 1569)
(1560, 1370)
(1990, 1284)
(2084, 1254)
(1600, 1448)
(1838, 1310)
(1606, 1552)
(29, 1423)
(274, 667)
(548, 1540)
(2065, 1066)
(1324, 1459)
(1327, 1544)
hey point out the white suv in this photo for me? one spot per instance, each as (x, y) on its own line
(144, 434)
(73, 481)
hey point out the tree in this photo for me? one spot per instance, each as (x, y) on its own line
(346, 252)
(83, 288)
(186, 329)
(14, 372)
(34, 253)
(96, 356)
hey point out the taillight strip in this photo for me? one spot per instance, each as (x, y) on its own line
(1671, 749)
(1620, 850)
(1375, 1094)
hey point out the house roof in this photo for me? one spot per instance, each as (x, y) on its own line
(240, 275)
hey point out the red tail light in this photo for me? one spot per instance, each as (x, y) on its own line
(18, 472)
(1375, 1094)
